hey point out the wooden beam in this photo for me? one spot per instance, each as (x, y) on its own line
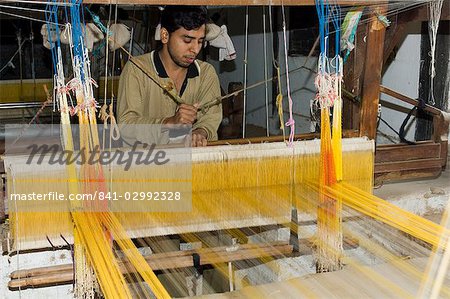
(304, 136)
(389, 153)
(418, 14)
(441, 122)
(408, 165)
(229, 2)
(353, 75)
(372, 76)
(405, 174)
(441, 127)
(63, 274)
(408, 100)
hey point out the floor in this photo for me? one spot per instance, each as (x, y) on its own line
(427, 197)
(381, 281)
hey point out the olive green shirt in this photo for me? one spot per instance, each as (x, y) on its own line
(141, 101)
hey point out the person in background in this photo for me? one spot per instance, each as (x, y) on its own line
(141, 101)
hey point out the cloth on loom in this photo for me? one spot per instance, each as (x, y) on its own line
(93, 35)
(120, 36)
(158, 32)
(251, 195)
(49, 35)
(212, 31)
(65, 36)
(349, 27)
(225, 45)
(217, 37)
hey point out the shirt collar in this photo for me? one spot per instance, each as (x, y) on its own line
(193, 69)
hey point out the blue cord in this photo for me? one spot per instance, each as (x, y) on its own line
(97, 22)
(78, 36)
(51, 17)
(336, 16)
(336, 19)
(323, 12)
(320, 14)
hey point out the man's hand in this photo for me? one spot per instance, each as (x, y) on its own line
(185, 114)
(199, 137)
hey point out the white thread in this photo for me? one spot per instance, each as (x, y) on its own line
(291, 121)
(266, 94)
(435, 8)
(22, 8)
(38, 2)
(245, 74)
(25, 17)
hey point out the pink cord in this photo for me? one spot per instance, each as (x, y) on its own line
(291, 122)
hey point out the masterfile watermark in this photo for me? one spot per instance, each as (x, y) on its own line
(139, 154)
(147, 170)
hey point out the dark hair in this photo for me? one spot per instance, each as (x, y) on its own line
(188, 17)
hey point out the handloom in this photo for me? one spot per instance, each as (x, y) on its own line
(232, 187)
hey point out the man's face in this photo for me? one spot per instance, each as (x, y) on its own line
(184, 45)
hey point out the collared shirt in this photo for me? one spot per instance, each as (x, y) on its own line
(142, 101)
(192, 72)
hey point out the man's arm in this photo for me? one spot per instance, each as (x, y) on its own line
(130, 106)
(210, 120)
(134, 124)
(185, 114)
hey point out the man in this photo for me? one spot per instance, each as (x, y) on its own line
(142, 101)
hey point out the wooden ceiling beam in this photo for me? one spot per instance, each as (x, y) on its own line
(229, 2)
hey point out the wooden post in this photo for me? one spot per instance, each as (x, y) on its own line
(372, 75)
(3, 200)
(353, 70)
(293, 235)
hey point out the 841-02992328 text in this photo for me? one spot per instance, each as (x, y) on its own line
(100, 195)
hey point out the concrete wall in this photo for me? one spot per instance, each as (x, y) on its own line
(301, 82)
(401, 75)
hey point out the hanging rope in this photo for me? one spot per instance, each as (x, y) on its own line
(291, 122)
(106, 113)
(9, 63)
(337, 77)
(279, 98)
(329, 249)
(266, 94)
(244, 116)
(23, 17)
(279, 102)
(435, 8)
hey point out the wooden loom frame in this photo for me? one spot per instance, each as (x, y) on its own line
(365, 84)
(392, 162)
(363, 76)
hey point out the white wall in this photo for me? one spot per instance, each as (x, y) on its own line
(301, 82)
(401, 75)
